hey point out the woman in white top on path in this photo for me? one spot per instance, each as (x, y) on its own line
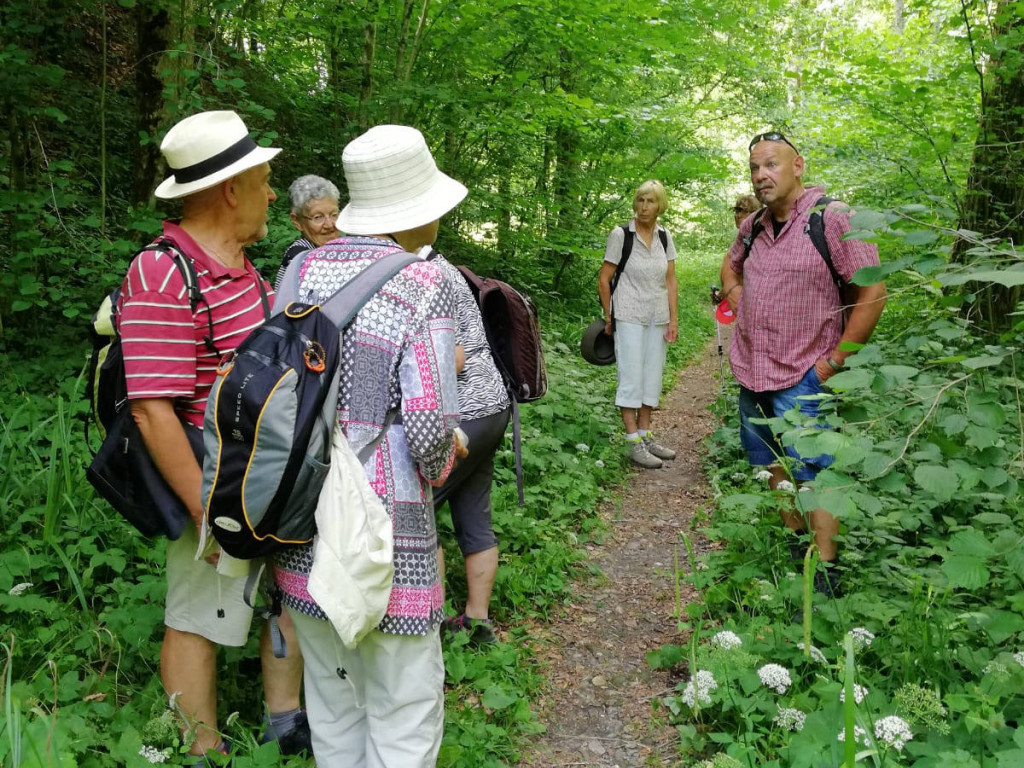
(644, 308)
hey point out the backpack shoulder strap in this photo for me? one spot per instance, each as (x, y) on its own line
(755, 231)
(663, 236)
(346, 302)
(627, 249)
(816, 231)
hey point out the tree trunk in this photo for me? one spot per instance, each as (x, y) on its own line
(160, 28)
(994, 203)
(153, 33)
(369, 52)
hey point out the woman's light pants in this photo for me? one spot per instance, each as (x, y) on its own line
(378, 706)
(640, 359)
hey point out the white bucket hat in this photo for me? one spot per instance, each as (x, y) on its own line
(393, 183)
(205, 149)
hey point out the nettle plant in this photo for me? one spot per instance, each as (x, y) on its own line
(928, 442)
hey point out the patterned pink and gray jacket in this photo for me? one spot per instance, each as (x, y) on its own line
(399, 354)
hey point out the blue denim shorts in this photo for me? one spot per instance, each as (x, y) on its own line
(761, 445)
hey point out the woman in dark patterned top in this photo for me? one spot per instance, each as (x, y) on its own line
(485, 408)
(381, 703)
(314, 210)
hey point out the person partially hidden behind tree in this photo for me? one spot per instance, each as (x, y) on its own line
(171, 355)
(789, 319)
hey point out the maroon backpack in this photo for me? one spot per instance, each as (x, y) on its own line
(513, 334)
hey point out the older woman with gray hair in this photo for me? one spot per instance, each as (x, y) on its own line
(314, 210)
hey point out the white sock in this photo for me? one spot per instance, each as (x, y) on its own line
(632, 436)
(644, 432)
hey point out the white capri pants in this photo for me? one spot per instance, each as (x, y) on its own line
(640, 360)
(388, 709)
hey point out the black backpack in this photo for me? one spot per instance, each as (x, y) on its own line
(513, 334)
(816, 231)
(270, 416)
(122, 471)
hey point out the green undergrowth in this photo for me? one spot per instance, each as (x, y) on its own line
(81, 595)
(929, 458)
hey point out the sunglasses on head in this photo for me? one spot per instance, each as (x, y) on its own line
(771, 136)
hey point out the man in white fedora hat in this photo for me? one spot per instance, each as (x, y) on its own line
(381, 704)
(171, 353)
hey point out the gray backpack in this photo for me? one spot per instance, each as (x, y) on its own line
(271, 412)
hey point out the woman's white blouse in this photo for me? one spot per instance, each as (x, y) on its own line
(641, 296)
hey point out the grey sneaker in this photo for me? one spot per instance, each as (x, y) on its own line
(656, 449)
(639, 454)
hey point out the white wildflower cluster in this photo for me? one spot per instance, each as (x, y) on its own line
(765, 589)
(582, 447)
(996, 668)
(804, 488)
(739, 477)
(862, 638)
(859, 693)
(894, 731)
(790, 719)
(785, 485)
(815, 653)
(1019, 657)
(701, 692)
(860, 736)
(599, 464)
(17, 589)
(727, 640)
(152, 754)
(763, 476)
(775, 677)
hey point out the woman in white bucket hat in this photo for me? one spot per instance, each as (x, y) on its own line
(381, 703)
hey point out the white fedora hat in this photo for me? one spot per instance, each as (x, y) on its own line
(393, 183)
(205, 149)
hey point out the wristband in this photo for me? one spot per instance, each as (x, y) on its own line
(833, 364)
(734, 287)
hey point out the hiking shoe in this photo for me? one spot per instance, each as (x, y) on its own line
(639, 454)
(658, 450)
(481, 631)
(296, 741)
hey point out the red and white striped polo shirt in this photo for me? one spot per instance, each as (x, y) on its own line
(790, 314)
(162, 341)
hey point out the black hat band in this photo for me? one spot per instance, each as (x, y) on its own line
(218, 162)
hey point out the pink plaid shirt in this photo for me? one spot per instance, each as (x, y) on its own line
(789, 315)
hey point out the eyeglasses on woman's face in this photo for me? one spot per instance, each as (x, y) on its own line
(320, 219)
(771, 136)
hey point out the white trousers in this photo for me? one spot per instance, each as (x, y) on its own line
(640, 361)
(380, 705)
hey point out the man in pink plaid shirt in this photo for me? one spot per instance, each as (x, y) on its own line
(790, 320)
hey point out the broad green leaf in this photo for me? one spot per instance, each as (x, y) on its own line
(900, 372)
(937, 480)
(988, 415)
(920, 237)
(965, 571)
(496, 697)
(853, 378)
(971, 542)
(981, 437)
(744, 501)
(868, 275)
(953, 423)
(986, 361)
(1003, 625)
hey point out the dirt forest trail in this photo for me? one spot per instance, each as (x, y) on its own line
(598, 707)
